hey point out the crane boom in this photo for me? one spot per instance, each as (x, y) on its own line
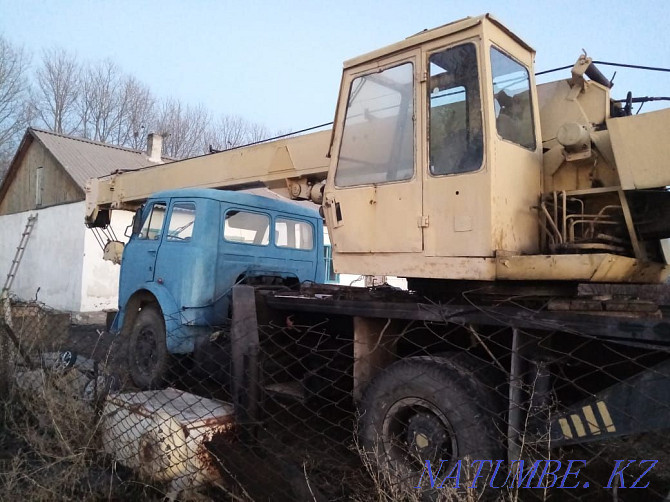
(294, 165)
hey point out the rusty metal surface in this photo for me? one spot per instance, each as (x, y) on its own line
(163, 434)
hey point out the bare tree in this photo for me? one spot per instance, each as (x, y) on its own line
(257, 132)
(100, 101)
(13, 97)
(228, 131)
(137, 113)
(55, 97)
(231, 131)
(184, 128)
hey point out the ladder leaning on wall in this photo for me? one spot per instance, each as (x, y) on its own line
(14, 267)
(5, 310)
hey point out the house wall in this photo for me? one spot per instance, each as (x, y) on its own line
(52, 260)
(100, 280)
(56, 186)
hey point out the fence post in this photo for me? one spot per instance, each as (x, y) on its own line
(244, 348)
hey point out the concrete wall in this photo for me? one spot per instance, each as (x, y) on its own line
(52, 260)
(100, 282)
(63, 259)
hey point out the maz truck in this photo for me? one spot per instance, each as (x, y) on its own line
(187, 250)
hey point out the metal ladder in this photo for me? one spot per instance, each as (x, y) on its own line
(6, 325)
(30, 224)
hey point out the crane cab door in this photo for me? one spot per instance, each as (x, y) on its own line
(373, 198)
(456, 196)
(484, 164)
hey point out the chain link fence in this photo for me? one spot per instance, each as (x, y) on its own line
(338, 394)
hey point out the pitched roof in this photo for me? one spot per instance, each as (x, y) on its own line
(84, 159)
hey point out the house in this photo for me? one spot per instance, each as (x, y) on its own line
(62, 265)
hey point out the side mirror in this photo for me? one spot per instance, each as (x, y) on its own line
(137, 223)
(113, 251)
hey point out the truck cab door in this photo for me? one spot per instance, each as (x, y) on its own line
(139, 255)
(373, 198)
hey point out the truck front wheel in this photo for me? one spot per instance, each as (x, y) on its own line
(148, 356)
(429, 408)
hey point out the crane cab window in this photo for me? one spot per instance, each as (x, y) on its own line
(511, 90)
(293, 234)
(247, 228)
(455, 123)
(378, 137)
(181, 221)
(153, 224)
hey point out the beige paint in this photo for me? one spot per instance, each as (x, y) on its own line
(374, 341)
(459, 224)
(601, 267)
(271, 163)
(417, 265)
(462, 215)
(642, 149)
(374, 215)
(559, 106)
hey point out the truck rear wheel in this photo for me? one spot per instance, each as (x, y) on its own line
(148, 356)
(429, 408)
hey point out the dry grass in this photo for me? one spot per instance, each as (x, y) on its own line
(391, 483)
(49, 441)
(51, 448)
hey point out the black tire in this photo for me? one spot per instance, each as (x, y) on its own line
(148, 357)
(430, 408)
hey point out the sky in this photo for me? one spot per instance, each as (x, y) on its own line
(279, 62)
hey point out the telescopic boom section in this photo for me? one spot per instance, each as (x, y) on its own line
(294, 166)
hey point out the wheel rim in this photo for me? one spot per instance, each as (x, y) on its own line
(415, 430)
(146, 356)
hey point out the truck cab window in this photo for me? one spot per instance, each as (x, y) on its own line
(182, 219)
(511, 90)
(455, 123)
(293, 234)
(247, 228)
(153, 224)
(378, 138)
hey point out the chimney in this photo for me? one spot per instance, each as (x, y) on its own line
(155, 147)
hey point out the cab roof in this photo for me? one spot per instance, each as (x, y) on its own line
(428, 35)
(281, 204)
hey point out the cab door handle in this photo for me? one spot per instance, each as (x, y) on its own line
(335, 210)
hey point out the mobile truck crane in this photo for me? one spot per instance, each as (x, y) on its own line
(538, 209)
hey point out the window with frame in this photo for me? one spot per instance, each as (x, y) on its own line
(247, 227)
(331, 276)
(153, 223)
(39, 185)
(293, 234)
(181, 223)
(456, 142)
(378, 137)
(511, 90)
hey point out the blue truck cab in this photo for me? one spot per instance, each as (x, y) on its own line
(188, 248)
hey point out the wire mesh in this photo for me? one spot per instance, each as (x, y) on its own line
(339, 395)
